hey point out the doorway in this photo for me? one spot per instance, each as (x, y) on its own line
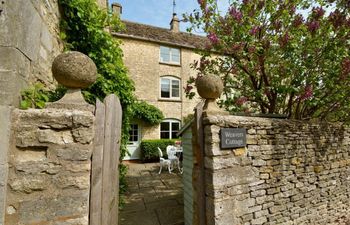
(134, 142)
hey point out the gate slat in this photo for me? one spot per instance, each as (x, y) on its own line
(113, 218)
(104, 199)
(110, 162)
(96, 165)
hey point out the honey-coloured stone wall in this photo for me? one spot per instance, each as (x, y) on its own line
(49, 167)
(290, 173)
(142, 61)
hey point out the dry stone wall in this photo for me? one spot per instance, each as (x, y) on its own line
(49, 167)
(290, 172)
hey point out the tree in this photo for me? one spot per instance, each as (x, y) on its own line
(286, 57)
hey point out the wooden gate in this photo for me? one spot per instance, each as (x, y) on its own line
(104, 197)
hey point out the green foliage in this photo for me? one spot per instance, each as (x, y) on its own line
(57, 94)
(149, 149)
(147, 113)
(285, 57)
(83, 29)
(123, 169)
(35, 96)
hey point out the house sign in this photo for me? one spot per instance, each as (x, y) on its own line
(232, 138)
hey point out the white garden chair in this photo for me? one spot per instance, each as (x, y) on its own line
(163, 162)
(171, 152)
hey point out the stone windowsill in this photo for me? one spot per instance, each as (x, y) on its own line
(169, 100)
(170, 64)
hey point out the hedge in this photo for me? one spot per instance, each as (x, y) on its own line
(149, 149)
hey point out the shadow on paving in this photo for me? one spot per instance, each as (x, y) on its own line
(152, 198)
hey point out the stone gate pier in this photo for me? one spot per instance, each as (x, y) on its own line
(49, 157)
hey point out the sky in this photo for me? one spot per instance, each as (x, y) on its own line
(159, 12)
(156, 12)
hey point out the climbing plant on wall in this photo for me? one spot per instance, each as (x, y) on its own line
(84, 27)
(147, 113)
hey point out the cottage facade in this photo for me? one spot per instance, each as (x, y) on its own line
(159, 62)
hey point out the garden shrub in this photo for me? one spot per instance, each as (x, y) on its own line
(149, 149)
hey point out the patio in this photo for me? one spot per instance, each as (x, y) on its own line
(152, 198)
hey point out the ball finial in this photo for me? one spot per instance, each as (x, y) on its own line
(74, 70)
(209, 86)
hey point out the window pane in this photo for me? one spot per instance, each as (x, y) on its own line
(133, 133)
(175, 126)
(164, 126)
(165, 135)
(165, 88)
(175, 85)
(164, 54)
(175, 55)
(165, 130)
(164, 57)
(173, 134)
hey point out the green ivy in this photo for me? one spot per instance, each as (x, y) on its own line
(147, 113)
(83, 28)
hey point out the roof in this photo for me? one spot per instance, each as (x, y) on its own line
(161, 35)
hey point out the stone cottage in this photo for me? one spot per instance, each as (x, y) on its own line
(159, 62)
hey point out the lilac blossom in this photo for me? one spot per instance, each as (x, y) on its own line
(284, 39)
(318, 12)
(337, 18)
(254, 30)
(298, 20)
(313, 26)
(240, 101)
(188, 88)
(201, 2)
(345, 68)
(236, 14)
(308, 93)
(236, 47)
(213, 38)
(277, 24)
(251, 49)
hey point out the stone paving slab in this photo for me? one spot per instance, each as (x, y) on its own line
(152, 198)
(174, 215)
(143, 217)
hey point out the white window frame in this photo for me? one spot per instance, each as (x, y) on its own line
(171, 55)
(170, 121)
(171, 79)
(134, 127)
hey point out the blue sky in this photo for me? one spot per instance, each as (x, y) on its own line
(156, 12)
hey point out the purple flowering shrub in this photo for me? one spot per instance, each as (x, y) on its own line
(283, 57)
